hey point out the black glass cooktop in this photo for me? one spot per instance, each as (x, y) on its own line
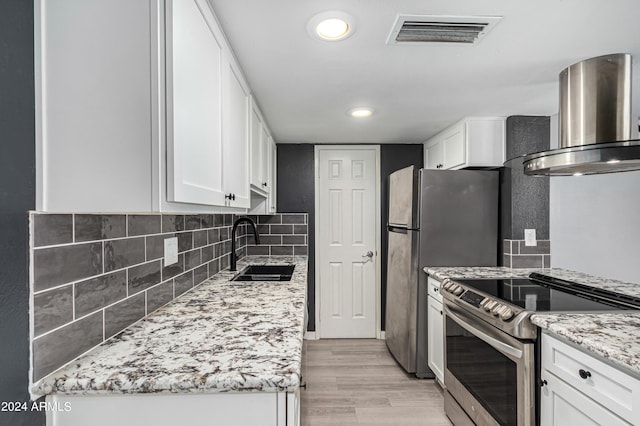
(546, 294)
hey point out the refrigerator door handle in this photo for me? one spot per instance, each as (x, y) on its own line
(398, 229)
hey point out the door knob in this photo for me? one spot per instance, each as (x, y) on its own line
(369, 254)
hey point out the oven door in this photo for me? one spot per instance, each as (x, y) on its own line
(489, 374)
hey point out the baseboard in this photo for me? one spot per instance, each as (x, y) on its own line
(382, 336)
(310, 335)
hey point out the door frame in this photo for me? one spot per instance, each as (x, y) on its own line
(377, 213)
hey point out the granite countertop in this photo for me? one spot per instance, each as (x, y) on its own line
(612, 336)
(222, 336)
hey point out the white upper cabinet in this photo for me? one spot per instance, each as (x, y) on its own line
(194, 105)
(151, 117)
(261, 143)
(274, 177)
(472, 142)
(235, 137)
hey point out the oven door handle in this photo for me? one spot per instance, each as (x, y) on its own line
(476, 331)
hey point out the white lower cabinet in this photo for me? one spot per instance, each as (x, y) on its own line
(435, 334)
(580, 389)
(241, 408)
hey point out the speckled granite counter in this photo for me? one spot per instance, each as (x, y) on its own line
(613, 336)
(222, 336)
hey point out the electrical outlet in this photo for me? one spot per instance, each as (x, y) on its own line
(170, 251)
(530, 237)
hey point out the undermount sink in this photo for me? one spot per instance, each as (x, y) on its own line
(265, 273)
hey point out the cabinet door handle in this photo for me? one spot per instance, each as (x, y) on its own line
(585, 374)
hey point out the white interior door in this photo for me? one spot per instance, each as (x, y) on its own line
(347, 213)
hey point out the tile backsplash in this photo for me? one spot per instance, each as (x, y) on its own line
(94, 275)
(518, 255)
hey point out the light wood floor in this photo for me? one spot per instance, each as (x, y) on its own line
(357, 382)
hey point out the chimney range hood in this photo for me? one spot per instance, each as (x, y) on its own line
(594, 121)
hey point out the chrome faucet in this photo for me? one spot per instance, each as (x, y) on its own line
(256, 236)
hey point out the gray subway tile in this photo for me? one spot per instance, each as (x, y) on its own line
(143, 276)
(218, 220)
(300, 229)
(257, 250)
(214, 267)
(123, 314)
(96, 293)
(506, 260)
(282, 229)
(183, 283)
(200, 275)
(506, 246)
(58, 265)
(300, 250)
(172, 222)
(250, 239)
(297, 240)
(119, 254)
(206, 221)
(214, 235)
(200, 238)
(52, 309)
(174, 269)
(281, 250)
(192, 222)
(55, 349)
(155, 246)
(159, 295)
(267, 240)
(526, 261)
(264, 229)
(218, 250)
(294, 218)
(143, 224)
(50, 229)
(227, 219)
(541, 247)
(270, 219)
(192, 259)
(185, 241)
(207, 253)
(546, 261)
(89, 227)
(225, 233)
(225, 261)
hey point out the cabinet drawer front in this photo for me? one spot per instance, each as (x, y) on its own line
(434, 289)
(612, 388)
(561, 404)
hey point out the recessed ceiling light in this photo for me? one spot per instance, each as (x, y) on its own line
(361, 112)
(331, 26)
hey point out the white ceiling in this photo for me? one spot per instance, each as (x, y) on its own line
(305, 86)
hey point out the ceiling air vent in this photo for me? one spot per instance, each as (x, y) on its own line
(440, 29)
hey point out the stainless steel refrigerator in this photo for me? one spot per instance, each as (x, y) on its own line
(436, 218)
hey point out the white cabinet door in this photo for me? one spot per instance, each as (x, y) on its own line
(194, 104)
(274, 178)
(256, 146)
(435, 156)
(435, 338)
(264, 160)
(561, 405)
(454, 147)
(235, 148)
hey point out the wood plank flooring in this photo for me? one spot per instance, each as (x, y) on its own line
(357, 382)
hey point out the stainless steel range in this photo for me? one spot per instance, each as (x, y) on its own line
(490, 342)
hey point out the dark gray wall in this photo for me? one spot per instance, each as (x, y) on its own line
(17, 195)
(524, 199)
(392, 158)
(296, 194)
(295, 189)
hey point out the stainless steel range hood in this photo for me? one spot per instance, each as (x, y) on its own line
(594, 121)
